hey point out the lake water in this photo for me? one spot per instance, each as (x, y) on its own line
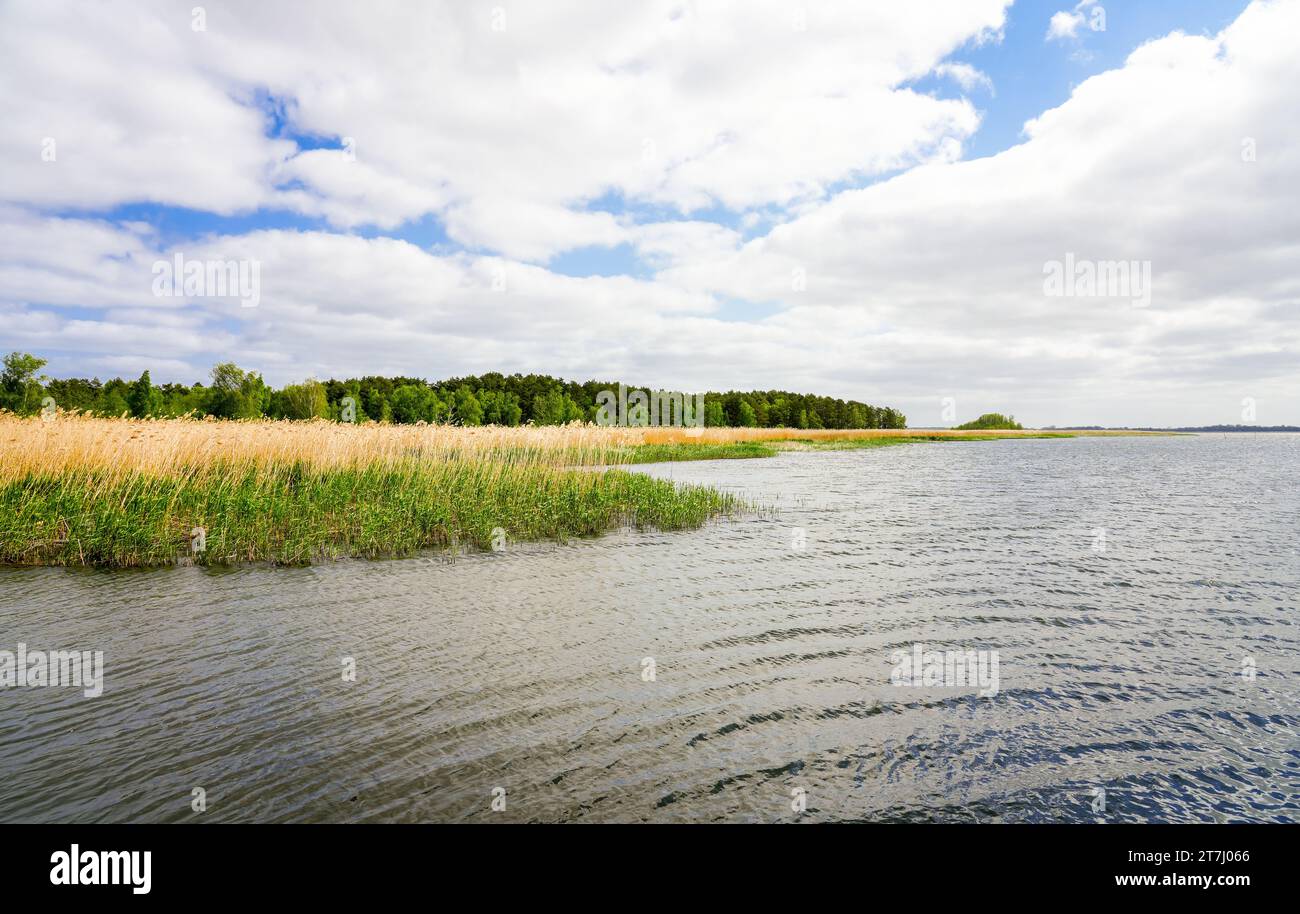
(1141, 595)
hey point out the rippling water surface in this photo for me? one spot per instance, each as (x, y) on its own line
(1124, 657)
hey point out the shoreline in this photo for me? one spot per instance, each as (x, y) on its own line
(103, 493)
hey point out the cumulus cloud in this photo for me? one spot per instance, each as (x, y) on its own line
(1153, 163)
(965, 76)
(901, 290)
(461, 109)
(1066, 23)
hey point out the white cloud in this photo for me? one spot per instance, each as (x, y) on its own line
(529, 231)
(965, 76)
(1064, 24)
(350, 192)
(926, 285)
(679, 104)
(942, 266)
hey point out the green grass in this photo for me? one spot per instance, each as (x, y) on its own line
(851, 444)
(662, 453)
(846, 444)
(292, 515)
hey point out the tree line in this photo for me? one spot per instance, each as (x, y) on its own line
(489, 399)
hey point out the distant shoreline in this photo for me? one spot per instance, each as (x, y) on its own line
(116, 493)
(1197, 428)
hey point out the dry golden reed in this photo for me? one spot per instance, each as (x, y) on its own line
(80, 490)
(77, 490)
(71, 442)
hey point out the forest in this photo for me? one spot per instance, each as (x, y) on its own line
(490, 399)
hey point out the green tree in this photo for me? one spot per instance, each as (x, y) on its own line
(374, 401)
(414, 403)
(555, 407)
(301, 401)
(468, 409)
(256, 394)
(144, 399)
(112, 401)
(779, 414)
(20, 386)
(501, 399)
(74, 393)
(992, 421)
(235, 393)
(713, 415)
(500, 407)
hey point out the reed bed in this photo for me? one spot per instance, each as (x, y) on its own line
(78, 490)
(82, 490)
(69, 442)
(162, 446)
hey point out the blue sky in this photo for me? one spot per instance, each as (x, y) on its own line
(689, 194)
(1028, 75)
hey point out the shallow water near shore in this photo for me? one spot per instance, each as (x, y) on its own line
(1142, 595)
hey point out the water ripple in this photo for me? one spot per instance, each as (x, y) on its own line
(1147, 673)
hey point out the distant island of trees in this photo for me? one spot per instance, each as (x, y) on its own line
(992, 421)
(489, 399)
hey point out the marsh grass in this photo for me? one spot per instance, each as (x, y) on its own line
(796, 441)
(662, 453)
(298, 515)
(79, 490)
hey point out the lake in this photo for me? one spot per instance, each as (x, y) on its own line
(1138, 596)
